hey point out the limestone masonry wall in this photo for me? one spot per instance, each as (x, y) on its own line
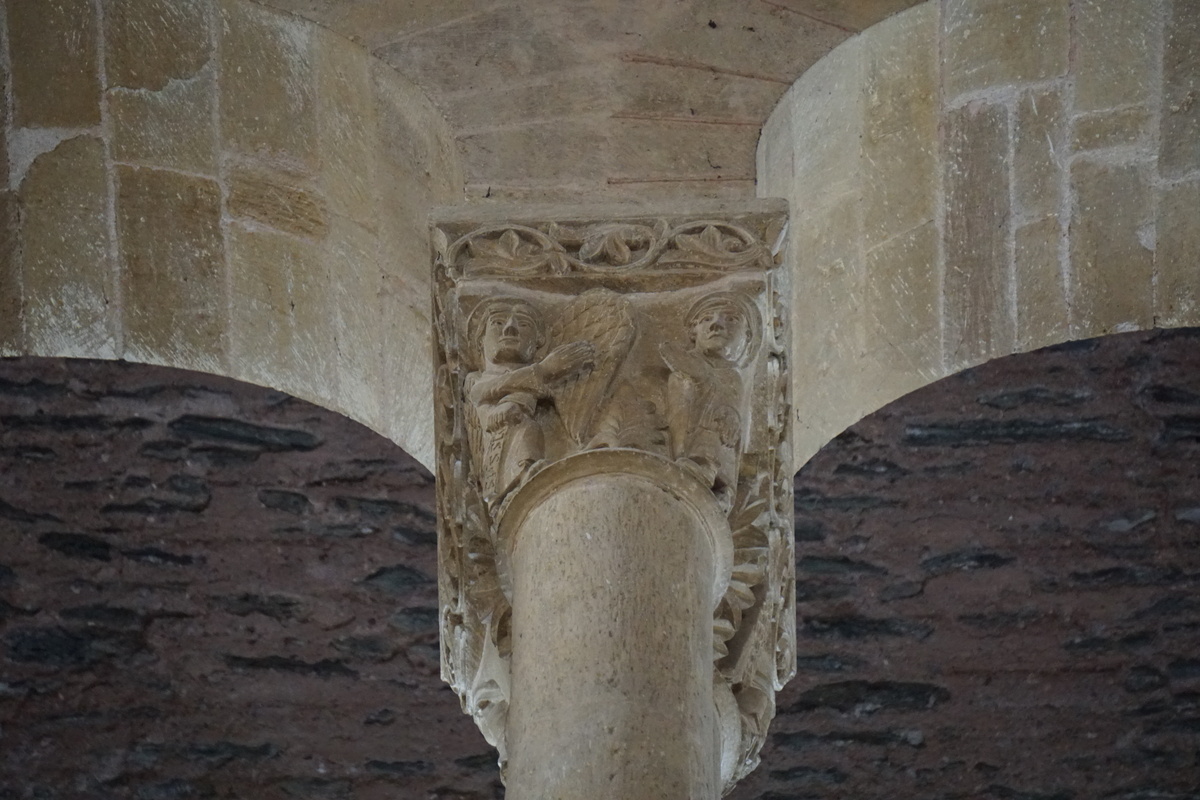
(973, 178)
(212, 185)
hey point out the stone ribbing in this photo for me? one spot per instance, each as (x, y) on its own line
(217, 186)
(1025, 174)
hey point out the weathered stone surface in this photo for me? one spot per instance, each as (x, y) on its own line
(1177, 259)
(282, 328)
(1181, 91)
(900, 129)
(152, 42)
(11, 338)
(1039, 151)
(55, 77)
(902, 299)
(173, 127)
(347, 129)
(990, 43)
(978, 301)
(1040, 285)
(173, 262)
(1111, 260)
(267, 84)
(354, 265)
(1122, 126)
(1115, 53)
(66, 267)
(278, 200)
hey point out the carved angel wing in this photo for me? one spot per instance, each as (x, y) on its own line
(601, 317)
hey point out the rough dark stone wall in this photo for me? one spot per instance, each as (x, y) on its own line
(209, 589)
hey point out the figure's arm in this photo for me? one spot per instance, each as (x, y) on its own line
(535, 379)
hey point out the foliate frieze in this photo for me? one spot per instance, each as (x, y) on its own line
(664, 336)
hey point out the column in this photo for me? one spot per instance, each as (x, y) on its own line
(617, 585)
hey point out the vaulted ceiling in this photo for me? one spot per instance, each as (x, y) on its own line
(612, 99)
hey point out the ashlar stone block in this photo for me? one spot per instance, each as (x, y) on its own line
(54, 56)
(1114, 128)
(1039, 152)
(1112, 248)
(990, 43)
(278, 200)
(1115, 53)
(1180, 152)
(151, 42)
(1177, 262)
(283, 327)
(173, 259)
(904, 335)
(978, 265)
(1040, 284)
(268, 84)
(900, 128)
(172, 128)
(66, 268)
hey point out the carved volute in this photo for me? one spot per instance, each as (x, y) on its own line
(652, 347)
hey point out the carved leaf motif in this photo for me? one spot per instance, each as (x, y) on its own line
(717, 245)
(617, 245)
(514, 252)
(601, 317)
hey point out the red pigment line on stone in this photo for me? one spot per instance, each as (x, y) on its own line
(749, 123)
(642, 58)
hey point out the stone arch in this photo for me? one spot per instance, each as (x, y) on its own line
(972, 179)
(212, 185)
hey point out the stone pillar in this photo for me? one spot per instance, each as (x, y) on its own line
(616, 579)
(617, 560)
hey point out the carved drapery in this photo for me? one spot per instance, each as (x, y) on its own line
(664, 337)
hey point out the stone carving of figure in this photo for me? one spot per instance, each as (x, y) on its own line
(509, 395)
(705, 392)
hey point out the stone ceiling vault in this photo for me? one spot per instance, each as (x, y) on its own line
(621, 99)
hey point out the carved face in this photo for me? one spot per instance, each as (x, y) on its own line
(718, 331)
(510, 334)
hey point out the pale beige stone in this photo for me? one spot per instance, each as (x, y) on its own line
(278, 200)
(903, 290)
(66, 269)
(855, 15)
(347, 131)
(633, 358)
(900, 130)
(356, 283)
(1112, 260)
(407, 341)
(11, 338)
(775, 167)
(613, 574)
(1039, 152)
(1042, 317)
(55, 78)
(172, 128)
(977, 286)
(173, 268)
(267, 84)
(1115, 54)
(1181, 91)
(283, 323)
(1122, 126)
(149, 43)
(1177, 261)
(650, 149)
(1003, 42)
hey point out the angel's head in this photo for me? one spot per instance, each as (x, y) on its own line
(510, 331)
(718, 327)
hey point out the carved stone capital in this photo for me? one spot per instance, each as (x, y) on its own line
(654, 348)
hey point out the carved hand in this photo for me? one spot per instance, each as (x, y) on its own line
(567, 360)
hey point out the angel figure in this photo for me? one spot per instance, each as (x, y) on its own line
(507, 396)
(705, 391)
